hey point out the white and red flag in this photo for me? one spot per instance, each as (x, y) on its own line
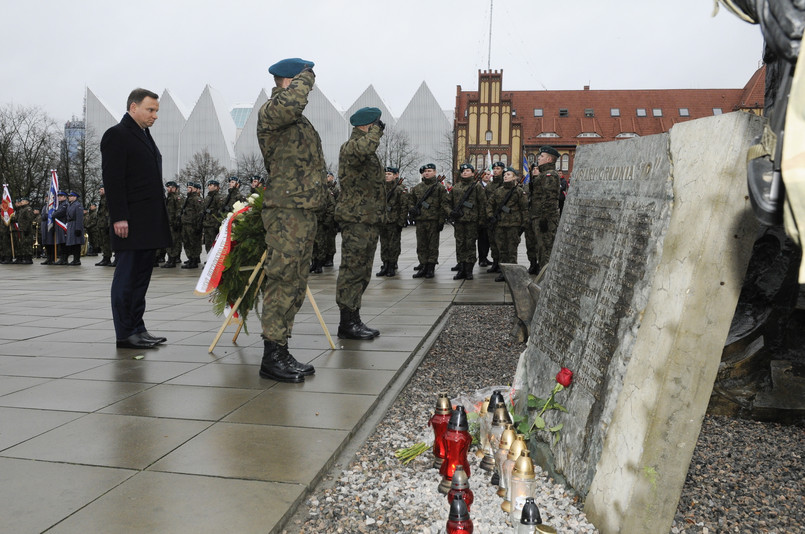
(7, 207)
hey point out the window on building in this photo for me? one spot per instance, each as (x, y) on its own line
(614, 112)
(514, 113)
(626, 135)
(564, 163)
(588, 134)
(588, 112)
(466, 113)
(657, 112)
(538, 112)
(548, 134)
(683, 112)
(641, 112)
(504, 159)
(563, 112)
(488, 136)
(717, 111)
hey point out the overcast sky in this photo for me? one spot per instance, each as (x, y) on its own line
(53, 49)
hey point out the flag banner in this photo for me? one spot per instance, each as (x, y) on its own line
(53, 198)
(211, 275)
(526, 171)
(488, 161)
(60, 224)
(7, 207)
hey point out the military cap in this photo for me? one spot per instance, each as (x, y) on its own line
(549, 150)
(466, 166)
(193, 184)
(23, 199)
(61, 194)
(395, 170)
(73, 194)
(290, 67)
(499, 164)
(430, 166)
(421, 169)
(216, 183)
(512, 169)
(171, 184)
(234, 179)
(365, 116)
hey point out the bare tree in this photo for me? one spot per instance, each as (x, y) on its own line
(396, 150)
(202, 168)
(250, 165)
(85, 165)
(446, 155)
(29, 147)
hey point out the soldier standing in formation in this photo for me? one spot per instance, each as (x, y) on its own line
(232, 196)
(393, 223)
(429, 208)
(292, 153)
(332, 230)
(211, 220)
(24, 218)
(173, 205)
(530, 230)
(6, 255)
(60, 233)
(483, 236)
(507, 211)
(104, 242)
(91, 227)
(360, 211)
(325, 221)
(467, 209)
(47, 236)
(544, 203)
(191, 214)
(257, 181)
(497, 181)
(75, 228)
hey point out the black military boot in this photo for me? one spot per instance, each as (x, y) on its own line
(317, 264)
(350, 328)
(483, 262)
(533, 268)
(495, 268)
(420, 273)
(277, 364)
(374, 331)
(456, 267)
(170, 264)
(104, 262)
(328, 261)
(16, 261)
(384, 269)
(430, 270)
(62, 259)
(500, 278)
(47, 261)
(28, 260)
(392, 269)
(419, 267)
(461, 274)
(468, 270)
(112, 263)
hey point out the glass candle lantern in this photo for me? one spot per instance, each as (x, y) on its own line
(529, 518)
(506, 471)
(483, 430)
(498, 425)
(459, 521)
(457, 440)
(461, 486)
(439, 421)
(505, 443)
(522, 485)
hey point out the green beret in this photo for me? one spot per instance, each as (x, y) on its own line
(430, 166)
(466, 166)
(499, 164)
(288, 68)
(214, 182)
(171, 184)
(394, 170)
(365, 116)
(549, 150)
(421, 169)
(511, 169)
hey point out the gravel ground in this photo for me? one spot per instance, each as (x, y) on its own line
(744, 477)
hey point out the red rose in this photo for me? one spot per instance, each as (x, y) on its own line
(564, 376)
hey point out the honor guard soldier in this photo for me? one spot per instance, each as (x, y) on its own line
(211, 220)
(91, 227)
(104, 241)
(467, 209)
(497, 181)
(47, 236)
(24, 217)
(191, 214)
(332, 230)
(75, 228)
(173, 205)
(530, 233)
(359, 211)
(393, 223)
(508, 214)
(325, 222)
(483, 236)
(233, 195)
(429, 209)
(60, 235)
(257, 181)
(544, 203)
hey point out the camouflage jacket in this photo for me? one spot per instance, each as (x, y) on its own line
(494, 183)
(543, 202)
(173, 205)
(396, 204)
(514, 212)
(363, 195)
(24, 217)
(213, 203)
(325, 216)
(232, 196)
(103, 214)
(192, 209)
(474, 208)
(91, 220)
(438, 206)
(291, 148)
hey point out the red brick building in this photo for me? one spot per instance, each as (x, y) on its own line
(510, 124)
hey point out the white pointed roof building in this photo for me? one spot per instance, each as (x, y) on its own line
(246, 145)
(99, 117)
(371, 99)
(333, 128)
(210, 127)
(167, 131)
(426, 125)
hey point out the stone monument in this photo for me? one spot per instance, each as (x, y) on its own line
(637, 301)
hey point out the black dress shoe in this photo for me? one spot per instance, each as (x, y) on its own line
(103, 263)
(135, 341)
(155, 339)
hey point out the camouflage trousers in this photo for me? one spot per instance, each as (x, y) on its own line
(390, 242)
(175, 251)
(427, 241)
(320, 249)
(330, 240)
(191, 239)
(5, 241)
(493, 245)
(289, 237)
(104, 241)
(545, 240)
(210, 233)
(358, 246)
(508, 239)
(531, 245)
(466, 233)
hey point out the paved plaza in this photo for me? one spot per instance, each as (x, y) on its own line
(176, 439)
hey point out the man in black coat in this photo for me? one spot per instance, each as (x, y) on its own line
(132, 178)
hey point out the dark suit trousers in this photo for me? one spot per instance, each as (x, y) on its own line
(129, 285)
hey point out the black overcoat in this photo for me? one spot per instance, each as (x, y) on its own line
(132, 177)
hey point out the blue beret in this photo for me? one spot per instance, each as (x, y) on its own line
(213, 182)
(288, 68)
(499, 164)
(466, 166)
(430, 166)
(365, 116)
(549, 150)
(395, 170)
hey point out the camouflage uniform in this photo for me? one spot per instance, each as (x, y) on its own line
(332, 231)
(430, 220)
(211, 220)
(511, 217)
(544, 210)
(359, 211)
(293, 156)
(173, 204)
(5, 243)
(471, 212)
(102, 229)
(325, 222)
(191, 226)
(91, 227)
(232, 196)
(393, 223)
(24, 217)
(531, 241)
(495, 183)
